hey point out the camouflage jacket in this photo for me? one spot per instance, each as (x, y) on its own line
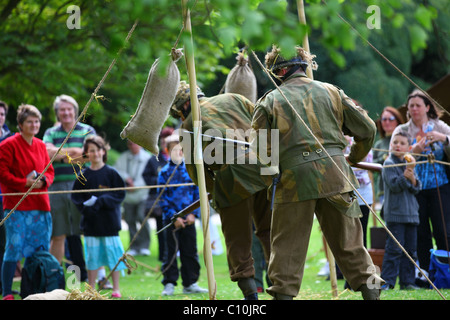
(234, 179)
(306, 171)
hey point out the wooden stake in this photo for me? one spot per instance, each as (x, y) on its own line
(329, 254)
(198, 157)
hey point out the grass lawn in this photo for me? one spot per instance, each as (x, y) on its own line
(144, 283)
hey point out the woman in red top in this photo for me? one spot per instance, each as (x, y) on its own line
(22, 158)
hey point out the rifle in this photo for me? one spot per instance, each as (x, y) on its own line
(368, 166)
(183, 213)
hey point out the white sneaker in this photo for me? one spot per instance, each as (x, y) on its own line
(144, 252)
(325, 271)
(168, 289)
(194, 288)
(132, 252)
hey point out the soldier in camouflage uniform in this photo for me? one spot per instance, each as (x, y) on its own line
(310, 183)
(239, 191)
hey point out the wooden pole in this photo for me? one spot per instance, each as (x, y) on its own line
(198, 153)
(329, 254)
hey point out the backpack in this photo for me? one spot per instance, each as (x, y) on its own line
(440, 269)
(41, 273)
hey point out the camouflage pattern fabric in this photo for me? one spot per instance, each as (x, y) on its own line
(308, 173)
(229, 183)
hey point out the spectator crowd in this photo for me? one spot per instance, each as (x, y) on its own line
(413, 196)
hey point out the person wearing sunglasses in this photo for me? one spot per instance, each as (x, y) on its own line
(386, 124)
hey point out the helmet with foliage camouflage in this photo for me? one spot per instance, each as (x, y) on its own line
(275, 61)
(182, 96)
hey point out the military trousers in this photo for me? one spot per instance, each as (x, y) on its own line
(291, 229)
(237, 227)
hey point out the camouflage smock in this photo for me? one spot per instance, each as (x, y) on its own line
(229, 183)
(306, 171)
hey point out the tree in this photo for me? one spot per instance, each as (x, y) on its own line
(42, 57)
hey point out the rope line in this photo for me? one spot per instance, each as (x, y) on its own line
(101, 189)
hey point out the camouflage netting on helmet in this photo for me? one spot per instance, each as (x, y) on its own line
(275, 61)
(242, 80)
(159, 92)
(182, 96)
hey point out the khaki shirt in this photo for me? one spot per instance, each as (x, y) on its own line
(232, 182)
(306, 171)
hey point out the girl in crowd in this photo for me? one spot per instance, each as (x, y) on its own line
(101, 217)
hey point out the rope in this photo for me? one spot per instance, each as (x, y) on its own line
(388, 61)
(101, 190)
(342, 173)
(83, 113)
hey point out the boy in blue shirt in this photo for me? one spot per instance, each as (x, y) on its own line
(182, 234)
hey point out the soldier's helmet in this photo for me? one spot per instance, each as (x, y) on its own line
(274, 60)
(182, 96)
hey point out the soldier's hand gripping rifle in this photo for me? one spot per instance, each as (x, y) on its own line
(184, 213)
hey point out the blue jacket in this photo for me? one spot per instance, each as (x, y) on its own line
(174, 199)
(400, 204)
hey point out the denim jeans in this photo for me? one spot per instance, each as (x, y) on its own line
(395, 262)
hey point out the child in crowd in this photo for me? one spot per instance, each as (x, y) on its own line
(401, 213)
(101, 217)
(182, 234)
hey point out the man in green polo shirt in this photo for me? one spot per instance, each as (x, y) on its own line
(65, 216)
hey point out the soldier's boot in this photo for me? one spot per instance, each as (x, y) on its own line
(369, 294)
(248, 288)
(280, 296)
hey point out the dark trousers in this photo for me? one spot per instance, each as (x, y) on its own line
(430, 212)
(237, 228)
(74, 253)
(395, 262)
(364, 222)
(184, 240)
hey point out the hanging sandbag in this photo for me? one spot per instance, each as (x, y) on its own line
(242, 80)
(159, 92)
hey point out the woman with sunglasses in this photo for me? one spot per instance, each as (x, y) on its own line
(389, 120)
(429, 135)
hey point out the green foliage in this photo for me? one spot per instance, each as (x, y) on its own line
(41, 57)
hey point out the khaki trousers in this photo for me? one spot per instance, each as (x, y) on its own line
(237, 228)
(291, 230)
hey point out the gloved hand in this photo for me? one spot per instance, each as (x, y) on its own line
(90, 202)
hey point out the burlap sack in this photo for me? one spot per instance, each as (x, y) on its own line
(159, 92)
(242, 80)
